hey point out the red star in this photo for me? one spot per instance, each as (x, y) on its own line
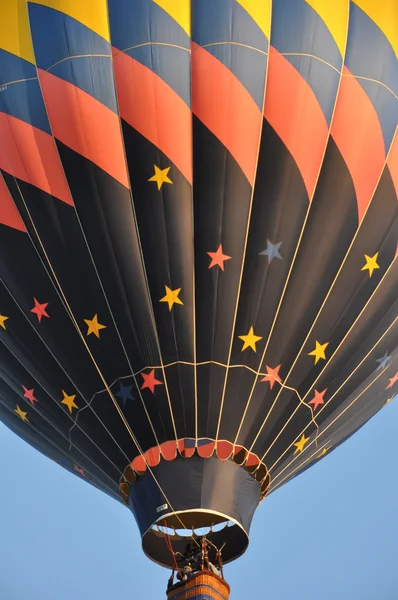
(40, 310)
(318, 398)
(272, 376)
(30, 395)
(79, 470)
(150, 381)
(392, 380)
(218, 258)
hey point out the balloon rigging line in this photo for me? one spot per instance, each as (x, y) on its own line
(327, 364)
(327, 403)
(99, 280)
(325, 62)
(59, 431)
(2, 85)
(95, 267)
(137, 230)
(371, 80)
(42, 386)
(100, 485)
(327, 297)
(230, 43)
(246, 238)
(58, 289)
(341, 386)
(77, 56)
(117, 51)
(195, 371)
(324, 430)
(298, 244)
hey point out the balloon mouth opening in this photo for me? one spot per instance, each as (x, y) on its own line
(181, 533)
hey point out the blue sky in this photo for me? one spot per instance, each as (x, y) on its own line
(329, 534)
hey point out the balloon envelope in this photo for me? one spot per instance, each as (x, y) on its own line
(198, 241)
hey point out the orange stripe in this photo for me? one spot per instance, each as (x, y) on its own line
(293, 110)
(357, 132)
(224, 105)
(154, 109)
(82, 123)
(9, 214)
(392, 162)
(31, 155)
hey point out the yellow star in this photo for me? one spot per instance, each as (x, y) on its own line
(319, 351)
(160, 176)
(300, 444)
(21, 414)
(371, 264)
(389, 400)
(250, 340)
(171, 297)
(93, 326)
(324, 451)
(69, 401)
(3, 319)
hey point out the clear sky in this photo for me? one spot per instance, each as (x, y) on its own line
(331, 534)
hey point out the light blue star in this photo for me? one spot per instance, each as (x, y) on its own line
(124, 393)
(383, 361)
(272, 251)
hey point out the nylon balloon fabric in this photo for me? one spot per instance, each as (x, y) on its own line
(198, 231)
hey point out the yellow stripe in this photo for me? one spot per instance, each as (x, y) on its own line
(385, 14)
(14, 29)
(260, 12)
(334, 13)
(179, 10)
(91, 13)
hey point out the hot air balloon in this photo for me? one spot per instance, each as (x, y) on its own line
(198, 242)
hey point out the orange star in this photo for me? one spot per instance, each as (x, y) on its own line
(218, 258)
(392, 380)
(318, 398)
(272, 376)
(40, 310)
(150, 381)
(3, 320)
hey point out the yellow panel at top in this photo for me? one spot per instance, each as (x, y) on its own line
(179, 10)
(260, 12)
(385, 14)
(92, 13)
(334, 13)
(14, 29)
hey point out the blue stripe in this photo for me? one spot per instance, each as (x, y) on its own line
(323, 81)
(134, 22)
(228, 32)
(369, 53)
(247, 65)
(66, 38)
(21, 100)
(296, 27)
(171, 64)
(225, 21)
